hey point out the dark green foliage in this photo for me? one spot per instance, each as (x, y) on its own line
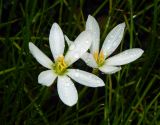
(130, 97)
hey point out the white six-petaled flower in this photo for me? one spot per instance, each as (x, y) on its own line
(100, 59)
(59, 68)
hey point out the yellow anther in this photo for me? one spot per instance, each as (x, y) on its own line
(95, 55)
(60, 65)
(99, 57)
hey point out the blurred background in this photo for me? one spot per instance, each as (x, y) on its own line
(130, 97)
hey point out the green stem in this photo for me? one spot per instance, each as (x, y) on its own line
(77, 113)
(95, 71)
(110, 92)
(7, 70)
(106, 107)
(131, 23)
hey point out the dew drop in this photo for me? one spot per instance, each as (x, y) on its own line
(108, 47)
(109, 40)
(90, 76)
(76, 55)
(77, 73)
(77, 70)
(115, 43)
(112, 36)
(67, 84)
(81, 51)
(98, 81)
(72, 46)
(88, 60)
(56, 56)
(87, 41)
(125, 53)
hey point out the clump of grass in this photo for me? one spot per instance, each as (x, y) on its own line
(130, 97)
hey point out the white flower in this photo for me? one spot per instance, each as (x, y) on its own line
(100, 59)
(66, 89)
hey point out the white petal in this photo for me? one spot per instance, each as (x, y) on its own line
(78, 47)
(40, 56)
(46, 77)
(69, 42)
(56, 41)
(93, 26)
(125, 57)
(67, 91)
(89, 60)
(85, 78)
(109, 69)
(113, 39)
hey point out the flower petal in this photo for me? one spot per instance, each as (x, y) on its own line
(40, 56)
(56, 41)
(89, 60)
(78, 47)
(69, 42)
(113, 39)
(67, 91)
(125, 57)
(47, 77)
(109, 69)
(92, 25)
(85, 78)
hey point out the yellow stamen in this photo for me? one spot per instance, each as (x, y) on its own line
(99, 58)
(95, 55)
(60, 65)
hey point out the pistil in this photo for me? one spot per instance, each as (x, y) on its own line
(99, 57)
(60, 66)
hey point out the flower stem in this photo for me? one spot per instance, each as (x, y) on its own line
(106, 106)
(110, 92)
(95, 71)
(77, 113)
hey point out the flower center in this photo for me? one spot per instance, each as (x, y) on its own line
(60, 65)
(99, 57)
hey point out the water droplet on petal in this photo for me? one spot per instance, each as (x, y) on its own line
(88, 60)
(87, 41)
(112, 36)
(104, 54)
(108, 47)
(56, 56)
(109, 40)
(82, 50)
(67, 84)
(72, 46)
(114, 44)
(90, 76)
(125, 53)
(98, 81)
(76, 55)
(76, 74)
